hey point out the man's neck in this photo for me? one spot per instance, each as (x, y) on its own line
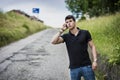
(74, 31)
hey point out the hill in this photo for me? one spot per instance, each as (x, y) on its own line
(105, 32)
(14, 26)
(106, 35)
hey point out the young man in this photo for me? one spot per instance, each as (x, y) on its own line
(77, 42)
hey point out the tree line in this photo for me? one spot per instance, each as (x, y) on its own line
(92, 7)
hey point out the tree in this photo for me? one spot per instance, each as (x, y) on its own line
(92, 7)
(77, 6)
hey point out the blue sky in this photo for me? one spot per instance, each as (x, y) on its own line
(52, 12)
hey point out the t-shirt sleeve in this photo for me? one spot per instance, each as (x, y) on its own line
(89, 38)
(64, 37)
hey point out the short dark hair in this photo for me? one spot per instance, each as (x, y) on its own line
(70, 17)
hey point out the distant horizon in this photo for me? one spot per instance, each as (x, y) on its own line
(51, 12)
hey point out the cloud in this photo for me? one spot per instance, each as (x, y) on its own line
(52, 12)
(54, 17)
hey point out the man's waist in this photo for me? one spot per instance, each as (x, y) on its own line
(72, 66)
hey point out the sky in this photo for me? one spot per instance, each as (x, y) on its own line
(52, 12)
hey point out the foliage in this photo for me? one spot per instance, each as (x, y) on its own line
(14, 26)
(77, 6)
(93, 7)
(106, 35)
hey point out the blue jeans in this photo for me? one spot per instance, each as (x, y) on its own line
(86, 72)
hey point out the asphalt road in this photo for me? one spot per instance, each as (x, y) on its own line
(34, 58)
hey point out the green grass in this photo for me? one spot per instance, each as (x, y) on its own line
(105, 32)
(14, 26)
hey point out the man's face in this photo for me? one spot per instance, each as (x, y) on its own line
(70, 24)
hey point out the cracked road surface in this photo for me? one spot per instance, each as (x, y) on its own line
(34, 58)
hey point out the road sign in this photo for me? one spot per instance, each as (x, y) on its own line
(36, 10)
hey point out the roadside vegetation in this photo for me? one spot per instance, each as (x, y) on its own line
(106, 35)
(14, 26)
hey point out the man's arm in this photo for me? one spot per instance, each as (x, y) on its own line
(94, 53)
(57, 38)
